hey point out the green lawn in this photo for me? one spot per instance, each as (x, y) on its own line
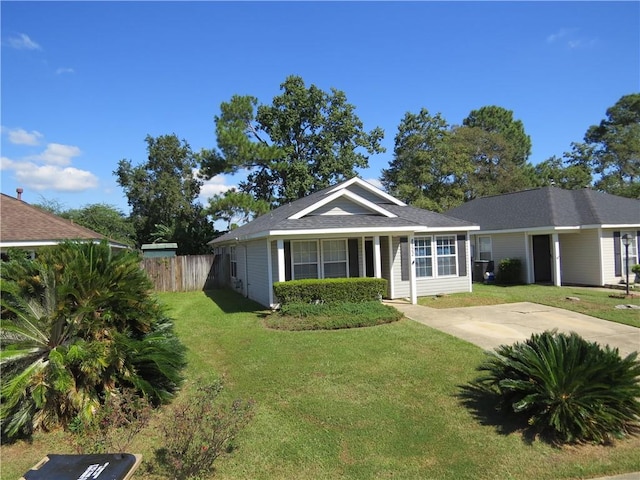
(377, 402)
(595, 302)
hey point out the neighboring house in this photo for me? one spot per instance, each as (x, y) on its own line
(29, 228)
(352, 229)
(564, 237)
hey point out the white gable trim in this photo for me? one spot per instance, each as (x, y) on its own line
(343, 193)
(369, 187)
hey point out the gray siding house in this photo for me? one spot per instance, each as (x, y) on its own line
(564, 237)
(352, 229)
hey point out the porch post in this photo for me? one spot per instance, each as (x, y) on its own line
(557, 274)
(363, 258)
(377, 265)
(392, 286)
(413, 294)
(528, 259)
(281, 266)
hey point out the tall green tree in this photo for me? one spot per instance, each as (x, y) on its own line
(305, 140)
(104, 219)
(616, 148)
(423, 172)
(499, 120)
(497, 147)
(78, 323)
(163, 191)
(236, 207)
(572, 171)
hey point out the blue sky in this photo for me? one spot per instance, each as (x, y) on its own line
(83, 83)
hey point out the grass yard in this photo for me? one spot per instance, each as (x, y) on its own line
(377, 402)
(595, 302)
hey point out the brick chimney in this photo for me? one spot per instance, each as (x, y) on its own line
(19, 191)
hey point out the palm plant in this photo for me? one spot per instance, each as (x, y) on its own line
(80, 322)
(568, 389)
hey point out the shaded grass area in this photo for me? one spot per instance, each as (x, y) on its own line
(362, 403)
(595, 302)
(332, 316)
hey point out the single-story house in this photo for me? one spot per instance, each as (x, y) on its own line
(29, 228)
(564, 237)
(352, 229)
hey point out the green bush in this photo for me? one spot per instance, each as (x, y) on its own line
(330, 290)
(509, 271)
(568, 390)
(332, 316)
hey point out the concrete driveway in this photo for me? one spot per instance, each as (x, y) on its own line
(491, 326)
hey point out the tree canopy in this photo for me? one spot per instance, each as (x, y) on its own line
(305, 140)
(616, 148)
(163, 191)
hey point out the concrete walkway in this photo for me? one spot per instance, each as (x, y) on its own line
(494, 325)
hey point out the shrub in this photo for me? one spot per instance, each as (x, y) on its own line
(330, 290)
(568, 389)
(333, 316)
(509, 271)
(114, 425)
(196, 433)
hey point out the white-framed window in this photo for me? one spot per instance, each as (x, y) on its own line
(304, 259)
(233, 262)
(633, 255)
(484, 248)
(439, 251)
(424, 257)
(446, 255)
(335, 262)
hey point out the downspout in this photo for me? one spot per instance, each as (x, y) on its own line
(246, 271)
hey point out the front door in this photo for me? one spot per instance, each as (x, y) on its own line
(541, 259)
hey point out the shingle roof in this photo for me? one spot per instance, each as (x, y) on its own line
(278, 219)
(549, 207)
(21, 222)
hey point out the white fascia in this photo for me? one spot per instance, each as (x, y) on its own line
(373, 189)
(357, 199)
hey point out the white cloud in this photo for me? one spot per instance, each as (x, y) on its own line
(23, 42)
(213, 187)
(57, 154)
(569, 38)
(63, 70)
(19, 136)
(50, 177)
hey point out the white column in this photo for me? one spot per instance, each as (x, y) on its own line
(528, 260)
(557, 274)
(377, 265)
(281, 266)
(363, 258)
(413, 292)
(392, 285)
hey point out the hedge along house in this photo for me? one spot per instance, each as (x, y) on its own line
(352, 229)
(564, 237)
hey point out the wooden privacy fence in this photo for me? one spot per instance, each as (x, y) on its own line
(181, 274)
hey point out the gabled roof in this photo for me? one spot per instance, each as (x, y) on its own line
(384, 213)
(549, 207)
(24, 225)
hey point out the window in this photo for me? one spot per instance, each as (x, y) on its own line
(334, 259)
(233, 262)
(304, 257)
(446, 255)
(484, 248)
(424, 257)
(633, 255)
